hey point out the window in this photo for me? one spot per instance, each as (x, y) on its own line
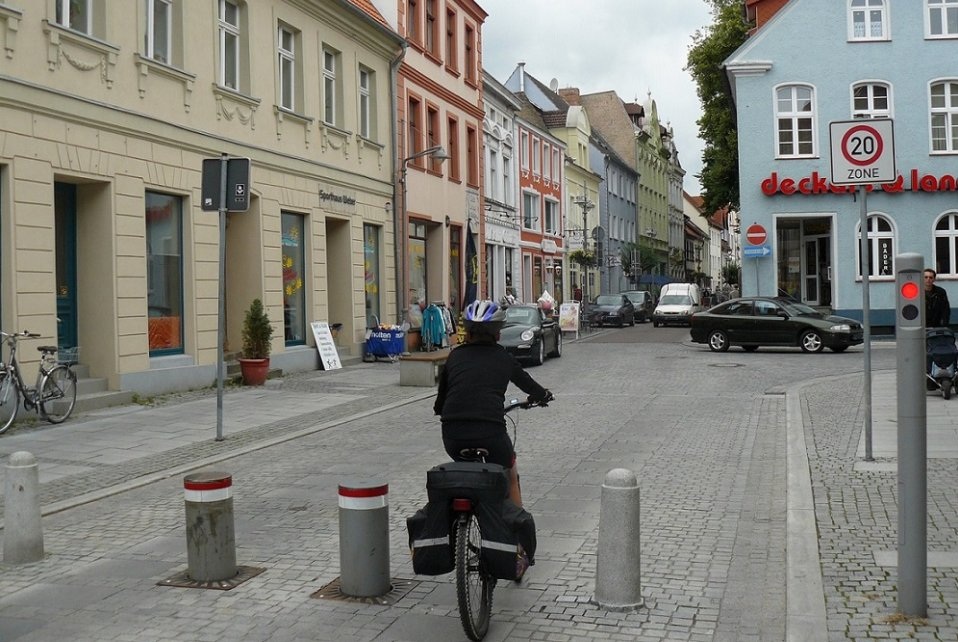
(867, 20)
(881, 254)
(944, 116)
(557, 167)
(229, 25)
(414, 133)
(507, 180)
(294, 278)
(164, 273)
(432, 29)
(536, 157)
(946, 245)
(472, 155)
(159, 18)
(942, 18)
(76, 15)
(492, 177)
(530, 210)
(418, 266)
(331, 80)
(452, 41)
(371, 253)
(367, 103)
(434, 135)
(413, 20)
(455, 270)
(470, 58)
(794, 121)
(552, 217)
(453, 127)
(870, 100)
(524, 151)
(286, 52)
(547, 161)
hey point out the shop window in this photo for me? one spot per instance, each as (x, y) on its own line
(455, 270)
(294, 278)
(881, 248)
(371, 258)
(164, 273)
(418, 272)
(946, 245)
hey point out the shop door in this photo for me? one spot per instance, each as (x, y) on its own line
(816, 271)
(64, 207)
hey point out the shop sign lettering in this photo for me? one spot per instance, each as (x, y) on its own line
(819, 184)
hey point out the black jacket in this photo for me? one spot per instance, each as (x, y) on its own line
(937, 308)
(472, 389)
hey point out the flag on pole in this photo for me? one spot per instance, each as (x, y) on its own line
(471, 291)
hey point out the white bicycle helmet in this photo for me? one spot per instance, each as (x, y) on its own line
(484, 316)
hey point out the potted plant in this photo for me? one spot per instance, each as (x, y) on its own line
(257, 332)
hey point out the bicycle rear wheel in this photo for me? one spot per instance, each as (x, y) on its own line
(9, 400)
(473, 586)
(58, 394)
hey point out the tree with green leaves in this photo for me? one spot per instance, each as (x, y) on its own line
(709, 50)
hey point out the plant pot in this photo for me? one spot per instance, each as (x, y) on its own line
(254, 371)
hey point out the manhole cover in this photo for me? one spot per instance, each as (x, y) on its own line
(726, 365)
(398, 590)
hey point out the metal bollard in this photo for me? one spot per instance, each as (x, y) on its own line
(210, 540)
(22, 531)
(618, 572)
(364, 539)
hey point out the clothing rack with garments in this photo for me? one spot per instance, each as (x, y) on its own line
(434, 334)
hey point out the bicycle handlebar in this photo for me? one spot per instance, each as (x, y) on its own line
(512, 404)
(23, 333)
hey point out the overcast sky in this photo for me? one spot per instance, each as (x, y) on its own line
(629, 46)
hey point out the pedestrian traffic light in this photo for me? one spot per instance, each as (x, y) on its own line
(910, 301)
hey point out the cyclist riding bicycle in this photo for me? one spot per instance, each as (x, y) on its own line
(472, 388)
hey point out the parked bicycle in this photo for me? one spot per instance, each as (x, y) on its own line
(55, 393)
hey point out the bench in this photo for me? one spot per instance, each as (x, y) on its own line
(422, 368)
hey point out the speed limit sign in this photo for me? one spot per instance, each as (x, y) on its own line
(863, 151)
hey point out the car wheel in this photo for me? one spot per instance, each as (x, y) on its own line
(839, 348)
(558, 351)
(750, 348)
(540, 357)
(655, 323)
(811, 341)
(718, 341)
(632, 320)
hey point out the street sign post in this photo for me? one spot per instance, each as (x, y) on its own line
(863, 151)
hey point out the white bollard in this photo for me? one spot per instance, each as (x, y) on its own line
(618, 571)
(22, 531)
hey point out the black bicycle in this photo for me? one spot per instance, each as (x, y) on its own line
(474, 583)
(55, 392)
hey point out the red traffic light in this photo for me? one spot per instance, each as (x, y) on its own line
(910, 290)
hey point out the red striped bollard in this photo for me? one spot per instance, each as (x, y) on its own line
(364, 539)
(210, 540)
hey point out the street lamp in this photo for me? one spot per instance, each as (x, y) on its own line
(586, 205)
(436, 153)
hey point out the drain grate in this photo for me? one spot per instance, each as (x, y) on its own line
(183, 579)
(398, 590)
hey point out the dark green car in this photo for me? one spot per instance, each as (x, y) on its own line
(752, 322)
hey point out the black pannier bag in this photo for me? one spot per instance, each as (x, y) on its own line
(430, 544)
(480, 482)
(504, 527)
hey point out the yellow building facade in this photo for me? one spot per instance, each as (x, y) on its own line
(107, 111)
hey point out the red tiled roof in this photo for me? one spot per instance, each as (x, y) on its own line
(368, 7)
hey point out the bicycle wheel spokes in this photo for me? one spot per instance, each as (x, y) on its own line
(473, 586)
(58, 394)
(9, 400)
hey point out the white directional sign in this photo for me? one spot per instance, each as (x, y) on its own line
(863, 151)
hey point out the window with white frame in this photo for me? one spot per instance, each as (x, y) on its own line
(795, 121)
(286, 53)
(557, 167)
(331, 63)
(552, 216)
(941, 18)
(536, 157)
(867, 20)
(871, 100)
(507, 179)
(367, 103)
(492, 177)
(76, 15)
(547, 161)
(159, 30)
(524, 151)
(946, 244)
(230, 41)
(530, 210)
(881, 248)
(944, 116)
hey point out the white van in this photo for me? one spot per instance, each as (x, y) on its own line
(677, 303)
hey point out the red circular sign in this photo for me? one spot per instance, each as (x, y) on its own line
(862, 145)
(756, 234)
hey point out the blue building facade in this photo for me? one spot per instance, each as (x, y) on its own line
(822, 61)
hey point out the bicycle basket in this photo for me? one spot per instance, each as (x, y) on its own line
(68, 355)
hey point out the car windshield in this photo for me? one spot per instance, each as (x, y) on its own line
(608, 299)
(675, 299)
(525, 316)
(635, 297)
(799, 309)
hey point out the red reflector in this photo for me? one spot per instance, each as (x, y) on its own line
(461, 505)
(909, 290)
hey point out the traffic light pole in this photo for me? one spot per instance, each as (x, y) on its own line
(912, 437)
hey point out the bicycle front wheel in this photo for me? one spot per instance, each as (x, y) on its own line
(473, 586)
(9, 400)
(58, 394)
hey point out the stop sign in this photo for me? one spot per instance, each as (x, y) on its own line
(756, 234)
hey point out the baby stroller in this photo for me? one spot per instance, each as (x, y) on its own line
(941, 360)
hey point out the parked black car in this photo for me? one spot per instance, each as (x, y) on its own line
(530, 334)
(643, 303)
(752, 322)
(612, 309)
